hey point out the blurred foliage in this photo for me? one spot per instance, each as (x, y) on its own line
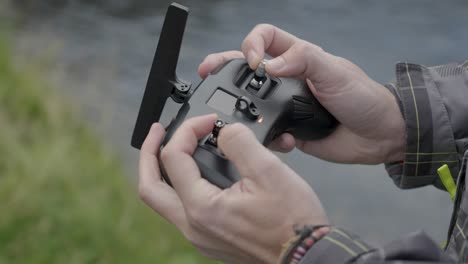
(63, 196)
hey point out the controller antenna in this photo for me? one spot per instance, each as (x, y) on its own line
(162, 82)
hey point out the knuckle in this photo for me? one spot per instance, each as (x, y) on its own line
(302, 46)
(267, 165)
(196, 240)
(233, 133)
(191, 123)
(196, 216)
(238, 54)
(263, 27)
(235, 129)
(259, 29)
(319, 48)
(306, 46)
(210, 56)
(346, 63)
(200, 215)
(166, 155)
(229, 55)
(315, 47)
(192, 238)
(144, 192)
(305, 50)
(247, 43)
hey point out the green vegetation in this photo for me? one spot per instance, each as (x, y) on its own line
(63, 197)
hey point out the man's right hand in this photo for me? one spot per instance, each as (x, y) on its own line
(372, 128)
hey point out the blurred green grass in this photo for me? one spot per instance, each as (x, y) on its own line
(64, 197)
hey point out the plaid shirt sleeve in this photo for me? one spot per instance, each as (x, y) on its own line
(434, 103)
(340, 246)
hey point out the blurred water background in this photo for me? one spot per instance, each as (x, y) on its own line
(102, 51)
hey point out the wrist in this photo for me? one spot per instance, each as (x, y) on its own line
(396, 144)
(296, 248)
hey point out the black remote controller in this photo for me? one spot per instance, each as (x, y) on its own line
(269, 106)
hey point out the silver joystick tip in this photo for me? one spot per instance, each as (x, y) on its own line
(217, 127)
(213, 137)
(260, 71)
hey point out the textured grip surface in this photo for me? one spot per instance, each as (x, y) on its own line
(310, 120)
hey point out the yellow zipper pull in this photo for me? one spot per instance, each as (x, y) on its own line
(447, 180)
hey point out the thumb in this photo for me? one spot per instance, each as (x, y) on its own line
(251, 158)
(302, 59)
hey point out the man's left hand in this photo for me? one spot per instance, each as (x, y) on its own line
(246, 223)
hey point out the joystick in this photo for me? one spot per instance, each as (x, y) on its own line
(259, 76)
(268, 105)
(213, 137)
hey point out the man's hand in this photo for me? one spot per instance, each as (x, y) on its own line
(372, 128)
(246, 223)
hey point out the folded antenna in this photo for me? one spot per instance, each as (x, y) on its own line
(162, 79)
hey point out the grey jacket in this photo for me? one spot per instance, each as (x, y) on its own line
(434, 103)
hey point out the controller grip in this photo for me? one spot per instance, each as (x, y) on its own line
(309, 119)
(214, 167)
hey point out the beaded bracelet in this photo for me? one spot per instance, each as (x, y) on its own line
(297, 247)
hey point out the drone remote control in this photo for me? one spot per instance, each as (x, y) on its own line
(269, 106)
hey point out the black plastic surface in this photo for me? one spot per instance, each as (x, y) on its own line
(279, 105)
(162, 77)
(289, 106)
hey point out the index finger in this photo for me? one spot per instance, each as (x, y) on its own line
(250, 157)
(177, 157)
(266, 38)
(153, 191)
(214, 60)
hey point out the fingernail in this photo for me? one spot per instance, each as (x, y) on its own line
(209, 59)
(155, 127)
(252, 56)
(275, 64)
